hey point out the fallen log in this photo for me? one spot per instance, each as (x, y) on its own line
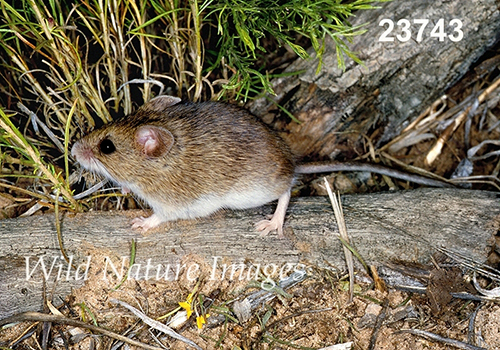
(406, 226)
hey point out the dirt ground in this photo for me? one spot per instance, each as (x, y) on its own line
(315, 313)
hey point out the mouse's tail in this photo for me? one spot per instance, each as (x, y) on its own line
(328, 167)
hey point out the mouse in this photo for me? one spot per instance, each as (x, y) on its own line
(188, 160)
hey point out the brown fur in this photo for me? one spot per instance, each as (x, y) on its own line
(217, 147)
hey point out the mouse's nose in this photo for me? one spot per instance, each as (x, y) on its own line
(82, 153)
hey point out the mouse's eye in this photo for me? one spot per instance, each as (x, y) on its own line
(107, 146)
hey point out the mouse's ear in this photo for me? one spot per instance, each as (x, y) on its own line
(160, 103)
(154, 141)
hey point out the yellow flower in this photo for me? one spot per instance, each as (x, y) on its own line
(201, 320)
(186, 305)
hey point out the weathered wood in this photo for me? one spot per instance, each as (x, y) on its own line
(398, 82)
(383, 226)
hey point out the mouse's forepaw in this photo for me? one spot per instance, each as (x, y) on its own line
(143, 224)
(267, 226)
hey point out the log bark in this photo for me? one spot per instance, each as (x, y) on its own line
(398, 81)
(405, 225)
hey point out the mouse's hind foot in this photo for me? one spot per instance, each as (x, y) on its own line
(267, 226)
(278, 218)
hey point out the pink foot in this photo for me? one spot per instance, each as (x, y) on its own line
(144, 224)
(276, 223)
(267, 226)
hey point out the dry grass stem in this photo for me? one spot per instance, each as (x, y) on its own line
(437, 148)
(339, 216)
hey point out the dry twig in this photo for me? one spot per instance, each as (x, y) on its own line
(40, 317)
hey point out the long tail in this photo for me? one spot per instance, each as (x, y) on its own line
(328, 167)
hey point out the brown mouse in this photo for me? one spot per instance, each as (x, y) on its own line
(188, 160)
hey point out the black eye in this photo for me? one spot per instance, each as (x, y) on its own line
(107, 146)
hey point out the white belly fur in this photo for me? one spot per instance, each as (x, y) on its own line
(209, 204)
